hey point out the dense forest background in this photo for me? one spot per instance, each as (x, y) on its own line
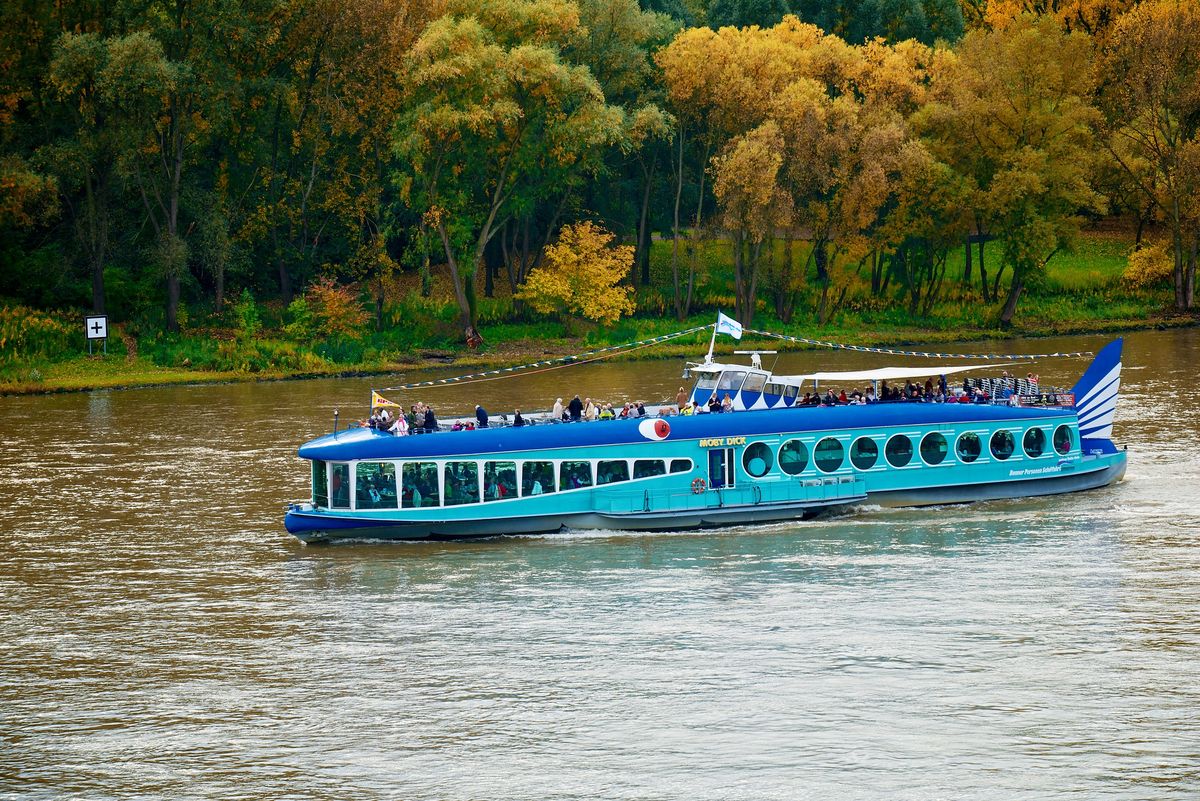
(332, 167)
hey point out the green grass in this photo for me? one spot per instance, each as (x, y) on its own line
(1081, 292)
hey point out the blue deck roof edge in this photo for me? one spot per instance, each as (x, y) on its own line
(365, 443)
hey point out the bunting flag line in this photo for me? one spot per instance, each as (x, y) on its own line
(919, 353)
(561, 361)
(612, 350)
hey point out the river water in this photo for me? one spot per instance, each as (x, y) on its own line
(161, 636)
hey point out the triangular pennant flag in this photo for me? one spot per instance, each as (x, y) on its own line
(378, 400)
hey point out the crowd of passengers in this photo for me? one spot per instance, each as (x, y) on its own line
(421, 418)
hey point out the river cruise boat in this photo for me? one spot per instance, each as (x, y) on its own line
(772, 457)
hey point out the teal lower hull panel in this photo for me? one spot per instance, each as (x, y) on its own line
(1090, 474)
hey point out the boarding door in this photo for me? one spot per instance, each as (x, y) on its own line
(720, 468)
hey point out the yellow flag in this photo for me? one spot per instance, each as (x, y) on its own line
(378, 400)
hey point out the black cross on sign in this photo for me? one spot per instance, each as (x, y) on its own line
(96, 326)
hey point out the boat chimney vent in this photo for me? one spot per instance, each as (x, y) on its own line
(756, 356)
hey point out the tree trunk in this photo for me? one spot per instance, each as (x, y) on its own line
(219, 290)
(983, 277)
(1189, 283)
(1177, 243)
(966, 279)
(679, 308)
(643, 243)
(1010, 303)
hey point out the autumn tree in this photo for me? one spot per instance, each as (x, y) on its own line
(1012, 113)
(582, 274)
(1152, 103)
(493, 105)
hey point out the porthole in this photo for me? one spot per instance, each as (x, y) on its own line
(934, 448)
(968, 447)
(899, 451)
(1034, 442)
(829, 455)
(1063, 440)
(756, 459)
(864, 453)
(793, 457)
(1003, 445)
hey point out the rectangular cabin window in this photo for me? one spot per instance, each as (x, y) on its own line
(419, 481)
(462, 483)
(537, 478)
(731, 381)
(707, 380)
(375, 485)
(320, 484)
(790, 391)
(645, 468)
(774, 389)
(574, 475)
(612, 471)
(339, 485)
(755, 382)
(681, 465)
(499, 480)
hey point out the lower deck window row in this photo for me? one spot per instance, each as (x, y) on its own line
(455, 483)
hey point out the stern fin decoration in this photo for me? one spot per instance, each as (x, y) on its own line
(1096, 393)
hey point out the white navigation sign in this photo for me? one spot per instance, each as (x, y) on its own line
(96, 326)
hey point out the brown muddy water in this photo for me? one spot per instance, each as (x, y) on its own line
(161, 636)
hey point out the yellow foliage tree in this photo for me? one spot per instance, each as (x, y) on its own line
(581, 274)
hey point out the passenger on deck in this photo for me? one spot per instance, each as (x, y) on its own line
(842, 399)
(870, 396)
(641, 409)
(400, 426)
(806, 400)
(626, 411)
(576, 408)
(606, 412)
(589, 410)
(481, 416)
(686, 410)
(518, 420)
(714, 405)
(557, 412)
(430, 420)
(830, 399)
(727, 404)
(681, 398)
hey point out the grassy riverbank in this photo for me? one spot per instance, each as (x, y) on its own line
(1081, 293)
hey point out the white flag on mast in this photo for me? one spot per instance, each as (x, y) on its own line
(728, 325)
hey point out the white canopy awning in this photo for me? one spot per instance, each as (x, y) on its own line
(894, 373)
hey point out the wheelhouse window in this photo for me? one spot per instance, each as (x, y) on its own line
(375, 485)
(968, 447)
(419, 481)
(707, 380)
(731, 380)
(610, 471)
(1063, 440)
(320, 483)
(339, 485)
(755, 382)
(574, 475)
(829, 455)
(648, 468)
(499, 480)
(681, 465)
(793, 457)
(462, 483)
(1034, 442)
(773, 389)
(537, 478)
(864, 453)
(933, 448)
(898, 451)
(1003, 444)
(790, 391)
(756, 459)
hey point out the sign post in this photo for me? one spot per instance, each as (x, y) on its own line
(96, 327)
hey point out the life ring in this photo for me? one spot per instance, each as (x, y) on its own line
(698, 486)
